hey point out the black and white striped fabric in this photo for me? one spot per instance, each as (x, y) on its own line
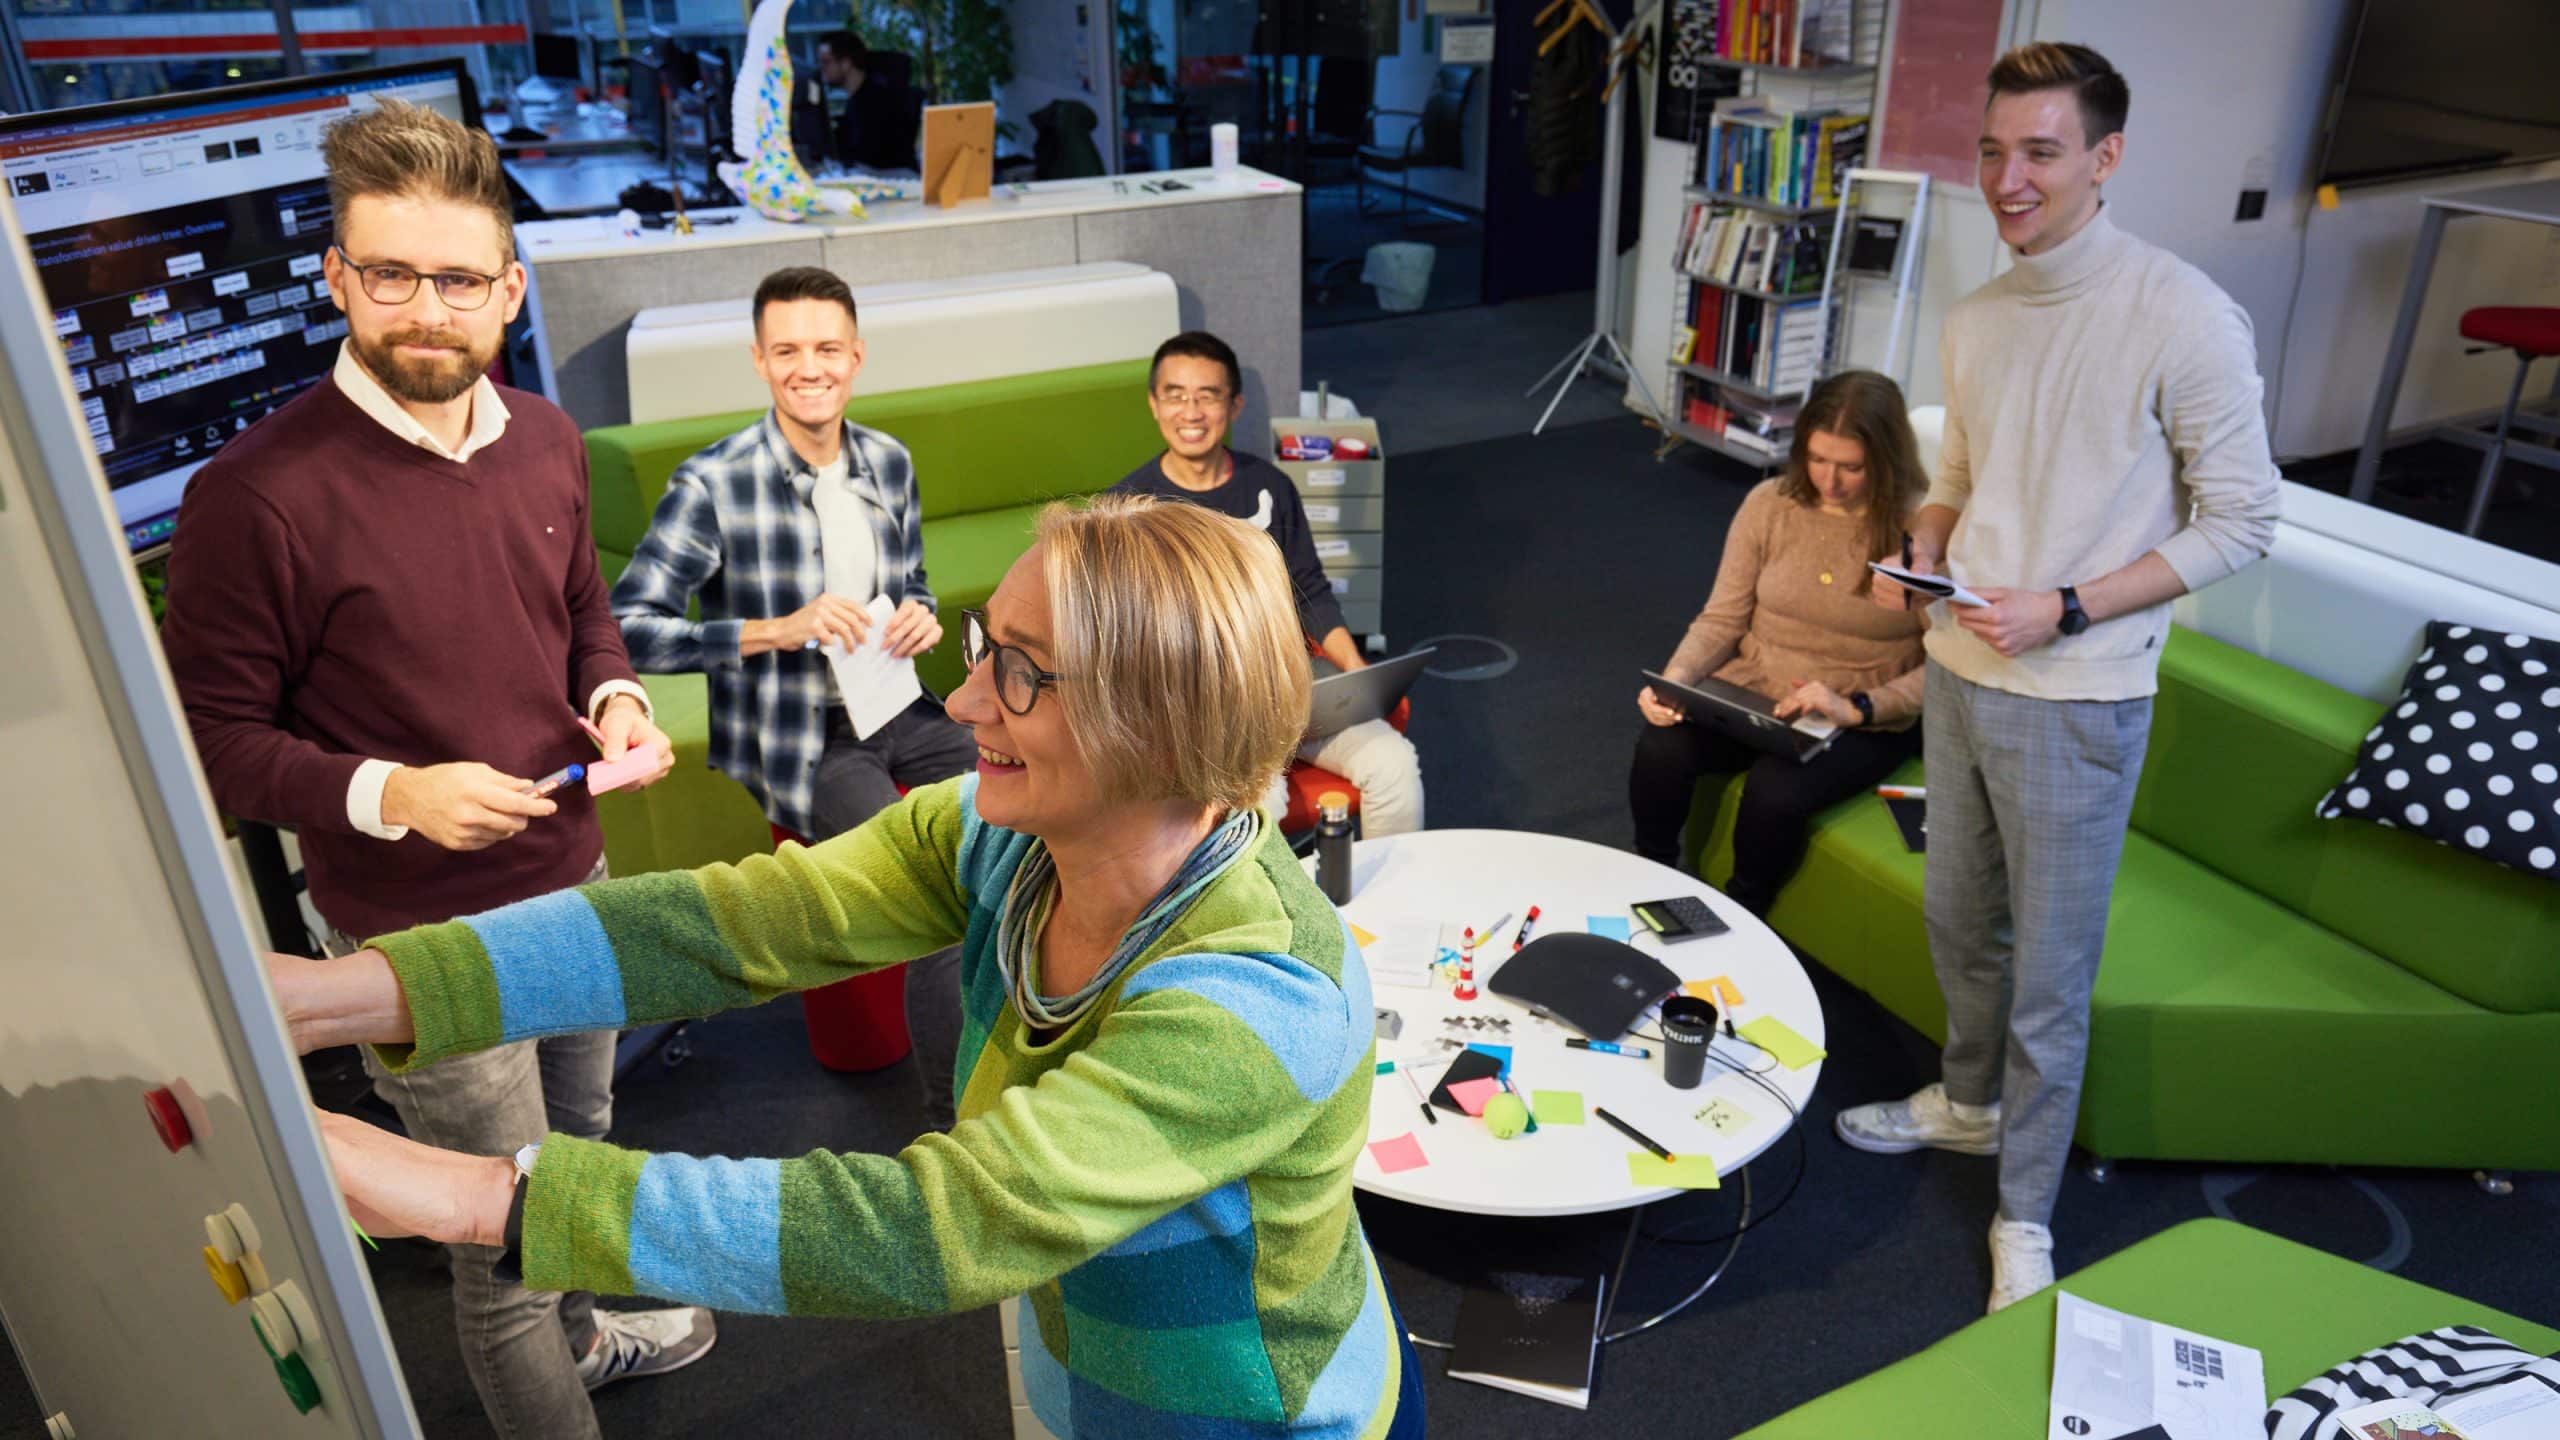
(2428, 1369)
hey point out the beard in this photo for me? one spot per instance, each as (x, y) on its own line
(424, 380)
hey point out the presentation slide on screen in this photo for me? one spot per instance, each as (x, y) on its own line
(181, 251)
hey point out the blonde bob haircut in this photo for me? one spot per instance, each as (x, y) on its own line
(1178, 633)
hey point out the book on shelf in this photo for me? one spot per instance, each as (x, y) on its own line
(1761, 151)
(1751, 250)
(1798, 33)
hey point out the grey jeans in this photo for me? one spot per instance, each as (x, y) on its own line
(858, 779)
(2028, 802)
(520, 1346)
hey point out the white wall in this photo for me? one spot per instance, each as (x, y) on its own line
(1403, 82)
(2223, 93)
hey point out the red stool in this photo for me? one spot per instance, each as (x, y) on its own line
(2532, 331)
(1308, 781)
(858, 1024)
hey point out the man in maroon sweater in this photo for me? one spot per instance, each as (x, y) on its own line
(385, 619)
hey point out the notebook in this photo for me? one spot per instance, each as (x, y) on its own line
(1533, 1335)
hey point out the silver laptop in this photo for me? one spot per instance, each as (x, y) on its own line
(1348, 697)
(1746, 715)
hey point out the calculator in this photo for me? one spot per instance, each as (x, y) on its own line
(1682, 917)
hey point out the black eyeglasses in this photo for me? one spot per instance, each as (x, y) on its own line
(396, 284)
(1018, 676)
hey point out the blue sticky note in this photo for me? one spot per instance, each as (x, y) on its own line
(1501, 1053)
(1611, 927)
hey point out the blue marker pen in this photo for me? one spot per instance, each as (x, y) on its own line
(565, 775)
(1635, 1052)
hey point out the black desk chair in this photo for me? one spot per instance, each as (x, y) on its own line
(1339, 125)
(1436, 141)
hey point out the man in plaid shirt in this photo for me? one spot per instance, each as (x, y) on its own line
(786, 530)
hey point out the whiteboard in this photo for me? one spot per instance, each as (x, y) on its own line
(129, 967)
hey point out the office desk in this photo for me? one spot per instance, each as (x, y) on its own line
(2537, 203)
(1230, 245)
(574, 186)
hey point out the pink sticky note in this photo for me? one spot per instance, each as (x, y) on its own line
(636, 764)
(1402, 1153)
(1472, 1094)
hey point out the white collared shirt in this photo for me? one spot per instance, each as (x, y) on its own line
(488, 412)
(488, 422)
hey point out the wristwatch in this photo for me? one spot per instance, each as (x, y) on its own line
(1866, 707)
(525, 1159)
(2074, 619)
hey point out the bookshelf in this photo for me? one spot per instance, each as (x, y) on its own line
(1754, 320)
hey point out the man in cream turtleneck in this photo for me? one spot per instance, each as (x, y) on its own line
(2104, 454)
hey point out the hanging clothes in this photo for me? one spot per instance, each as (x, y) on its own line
(1564, 113)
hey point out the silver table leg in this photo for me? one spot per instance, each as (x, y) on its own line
(2395, 361)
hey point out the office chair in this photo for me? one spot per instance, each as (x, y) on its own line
(1436, 141)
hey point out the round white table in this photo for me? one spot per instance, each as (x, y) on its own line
(1406, 887)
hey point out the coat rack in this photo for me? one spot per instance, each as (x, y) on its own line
(1604, 305)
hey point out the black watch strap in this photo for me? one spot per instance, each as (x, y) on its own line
(2074, 619)
(1866, 706)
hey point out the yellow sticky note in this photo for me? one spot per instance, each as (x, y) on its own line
(1556, 1107)
(1780, 1039)
(2328, 197)
(1364, 937)
(1688, 1172)
(1702, 989)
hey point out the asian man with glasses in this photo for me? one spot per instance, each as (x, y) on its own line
(1195, 390)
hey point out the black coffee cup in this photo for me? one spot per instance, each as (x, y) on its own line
(1688, 1023)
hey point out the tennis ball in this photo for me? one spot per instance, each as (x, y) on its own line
(1505, 1116)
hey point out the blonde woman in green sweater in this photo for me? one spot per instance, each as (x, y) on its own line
(1164, 1067)
(1789, 618)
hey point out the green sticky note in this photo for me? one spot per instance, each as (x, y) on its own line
(1556, 1107)
(1780, 1039)
(1689, 1172)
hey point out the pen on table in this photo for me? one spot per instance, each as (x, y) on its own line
(1489, 931)
(565, 775)
(1416, 1086)
(1604, 1047)
(1526, 921)
(1632, 1132)
(1903, 792)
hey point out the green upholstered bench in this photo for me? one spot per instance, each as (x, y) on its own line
(2303, 1310)
(988, 455)
(2261, 962)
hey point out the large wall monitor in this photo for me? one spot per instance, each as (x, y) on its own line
(179, 239)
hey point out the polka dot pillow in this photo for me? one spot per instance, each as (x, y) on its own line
(2470, 756)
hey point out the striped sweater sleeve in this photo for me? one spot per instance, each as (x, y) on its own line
(1207, 1067)
(682, 944)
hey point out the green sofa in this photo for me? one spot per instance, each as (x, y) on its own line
(2276, 987)
(2301, 1309)
(988, 455)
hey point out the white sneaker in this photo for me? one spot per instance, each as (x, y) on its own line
(631, 1343)
(1927, 1119)
(2021, 1262)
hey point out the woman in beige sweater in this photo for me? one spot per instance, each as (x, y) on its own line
(1790, 619)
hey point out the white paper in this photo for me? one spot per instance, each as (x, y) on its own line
(1402, 952)
(2115, 1373)
(876, 685)
(1945, 587)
